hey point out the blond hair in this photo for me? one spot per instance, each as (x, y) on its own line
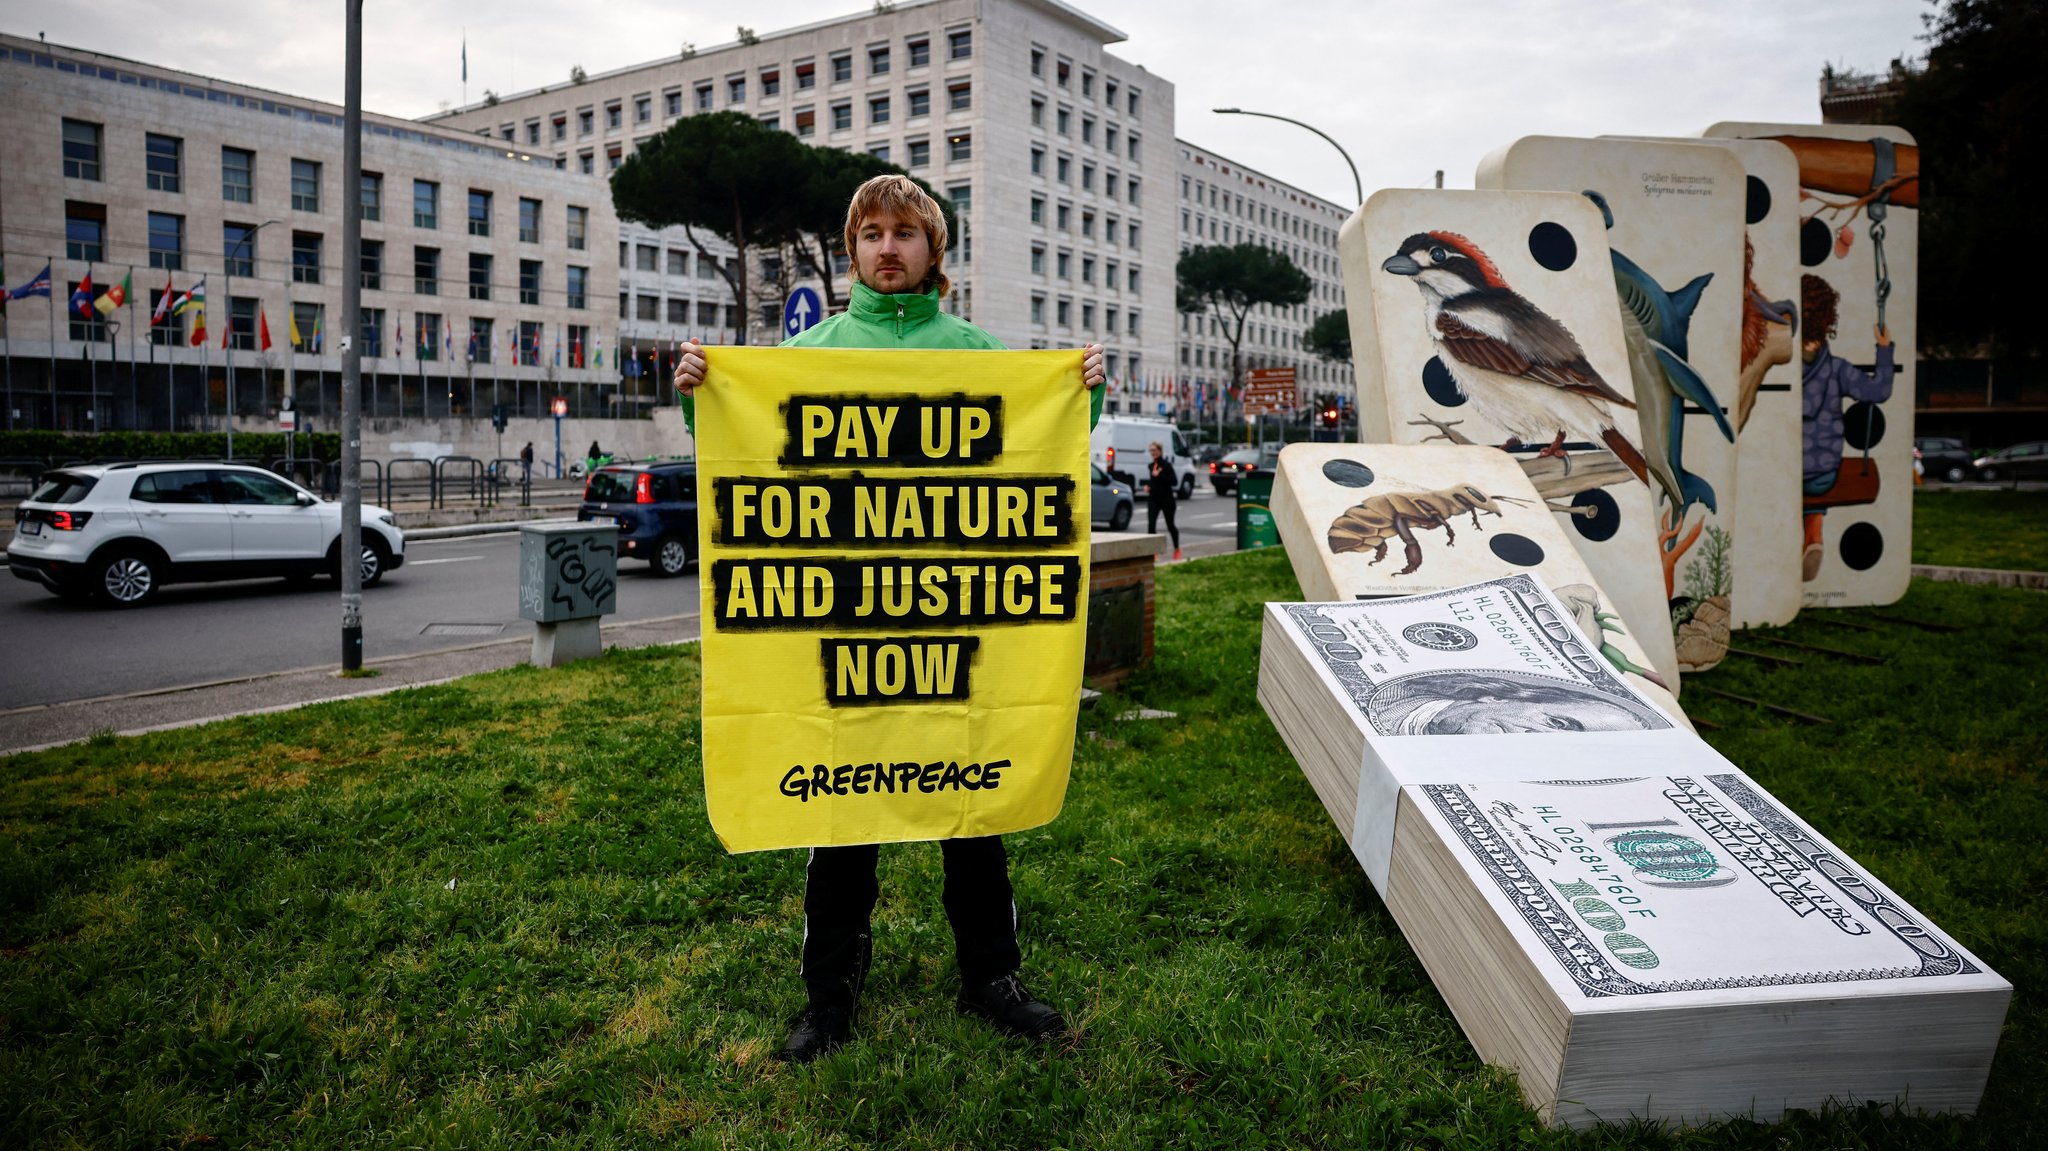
(900, 196)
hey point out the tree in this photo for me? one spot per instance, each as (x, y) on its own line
(1231, 281)
(724, 172)
(830, 178)
(1979, 110)
(1330, 336)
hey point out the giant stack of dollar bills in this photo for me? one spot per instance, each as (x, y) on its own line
(1610, 908)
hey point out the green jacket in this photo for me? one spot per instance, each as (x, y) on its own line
(906, 320)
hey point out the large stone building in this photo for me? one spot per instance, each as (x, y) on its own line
(114, 167)
(496, 271)
(1222, 202)
(1057, 154)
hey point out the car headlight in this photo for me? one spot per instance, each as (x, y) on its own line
(385, 518)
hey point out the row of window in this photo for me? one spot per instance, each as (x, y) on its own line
(1063, 216)
(1063, 75)
(85, 239)
(1251, 211)
(1063, 172)
(1063, 315)
(1114, 138)
(1063, 268)
(959, 45)
(164, 165)
(432, 334)
(708, 313)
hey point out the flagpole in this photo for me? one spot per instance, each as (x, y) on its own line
(53, 346)
(92, 367)
(171, 392)
(129, 299)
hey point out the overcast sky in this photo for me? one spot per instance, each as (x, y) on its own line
(1408, 88)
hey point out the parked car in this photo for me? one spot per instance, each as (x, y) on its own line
(1223, 473)
(1122, 446)
(655, 506)
(1110, 502)
(1944, 457)
(2020, 461)
(120, 532)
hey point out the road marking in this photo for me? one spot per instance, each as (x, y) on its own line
(446, 560)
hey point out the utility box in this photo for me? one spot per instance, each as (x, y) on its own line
(568, 579)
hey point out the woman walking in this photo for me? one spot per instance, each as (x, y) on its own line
(1161, 497)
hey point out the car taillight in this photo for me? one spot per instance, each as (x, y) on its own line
(69, 521)
(643, 488)
(1212, 467)
(587, 482)
(1109, 460)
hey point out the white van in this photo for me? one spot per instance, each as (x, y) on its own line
(1122, 446)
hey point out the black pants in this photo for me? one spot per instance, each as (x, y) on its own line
(839, 898)
(1154, 508)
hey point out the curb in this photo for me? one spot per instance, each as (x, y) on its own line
(1987, 577)
(457, 531)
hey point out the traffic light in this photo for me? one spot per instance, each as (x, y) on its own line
(1330, 415)
(499, 416)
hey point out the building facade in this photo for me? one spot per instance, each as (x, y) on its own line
(487, 273)
(1055, 153)
(495, 270)
(1221, 203)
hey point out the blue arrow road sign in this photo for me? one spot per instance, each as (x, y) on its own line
(802, 310)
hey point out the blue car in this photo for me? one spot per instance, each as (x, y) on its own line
(655, 506)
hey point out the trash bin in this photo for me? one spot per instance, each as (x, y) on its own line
(1255, 526)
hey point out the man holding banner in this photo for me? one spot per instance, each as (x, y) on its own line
(897, 236)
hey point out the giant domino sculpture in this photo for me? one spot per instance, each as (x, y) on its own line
(1674, 229)
(1859, 253)
(1610, 908)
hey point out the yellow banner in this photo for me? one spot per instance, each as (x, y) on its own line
(894, 562)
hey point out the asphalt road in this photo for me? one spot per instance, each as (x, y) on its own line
(450, 594)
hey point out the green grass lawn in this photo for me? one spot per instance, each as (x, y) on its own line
(1981, 528)
(491, 913)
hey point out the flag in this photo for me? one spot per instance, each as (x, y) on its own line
(448, 338)
(576, 350)
(599, 338)
(296, 340)
(465, 59)
(472, 345)
(319, 336)
(228, 329)
(163, 303)
(81, 299)
(194, 301)
(115, 297)
(40, 286)
(399, 343)
(262, 329)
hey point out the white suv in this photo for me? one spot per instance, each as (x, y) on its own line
(121, 531)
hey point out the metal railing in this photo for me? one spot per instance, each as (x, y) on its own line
(510, 471)
(470, 471)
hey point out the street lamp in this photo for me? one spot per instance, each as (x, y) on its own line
(228, 290)
(1357, 185)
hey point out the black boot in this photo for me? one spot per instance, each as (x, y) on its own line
(818, 1031)
(828, 1021)
(1005, 1003)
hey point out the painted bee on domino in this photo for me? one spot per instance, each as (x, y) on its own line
(1382, 518)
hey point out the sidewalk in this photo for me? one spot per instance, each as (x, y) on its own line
(35, 728)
